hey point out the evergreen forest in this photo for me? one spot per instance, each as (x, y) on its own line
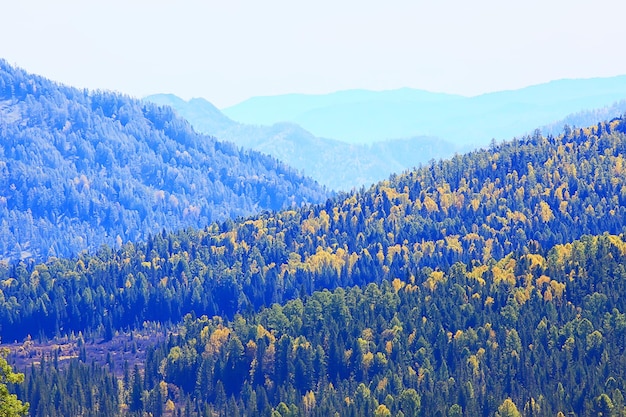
(489, 284)
(79, 169)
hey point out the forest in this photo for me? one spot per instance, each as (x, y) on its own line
(526, 195)
(488, 284)
(551, 327)
(79, 169)
(547, 333)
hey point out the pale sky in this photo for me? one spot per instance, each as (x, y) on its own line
(229, 50)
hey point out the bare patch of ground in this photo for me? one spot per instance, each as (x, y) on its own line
(124, 347)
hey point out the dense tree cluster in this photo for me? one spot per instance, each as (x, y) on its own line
(489, 283)
(78, 390)
(527, 195)
(543, 333)
(79, 169)
(10, 405)
(547, 332)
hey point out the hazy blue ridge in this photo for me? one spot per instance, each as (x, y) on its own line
(586, 118)
(361, 122)
(288, 107)
(336, 164)
(358, 116)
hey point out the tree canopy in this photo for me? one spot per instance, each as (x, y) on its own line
(10, 405)
(493, 282)
(80, 168)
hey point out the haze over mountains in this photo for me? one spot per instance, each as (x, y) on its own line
(358, 116)
(586, 118)
(336, 164)
(365, 125)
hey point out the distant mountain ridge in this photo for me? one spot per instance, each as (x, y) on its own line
(358, 116)
(336, 164)
(374, 133)
(288, 107)
(82, 168)
(586, 118)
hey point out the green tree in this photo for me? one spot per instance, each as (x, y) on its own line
(604, 405)
(410, 402)
(10, 405)
(136, 401)
(455, 411)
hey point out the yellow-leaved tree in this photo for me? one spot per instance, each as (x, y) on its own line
(508, 409)
(10, 405)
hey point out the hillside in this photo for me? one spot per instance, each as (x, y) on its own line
(490, 282)
(365, 116)
(84, 168)
(549, 333)
(517, 197)
(587, 117)
(337, 165)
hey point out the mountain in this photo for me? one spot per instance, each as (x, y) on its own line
(206, 117)
(491, 282)
(84, 168)
(337, 165)
(467, 341)
(586, 118)
(365, 125)
(288, 107)
(524, 195)
(357, 116)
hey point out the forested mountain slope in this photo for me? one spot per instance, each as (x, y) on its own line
(79, 169)
(491, 282)
(529, 334)
(586, 118)
(548, 332)
(333, 163)
(526, 195)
